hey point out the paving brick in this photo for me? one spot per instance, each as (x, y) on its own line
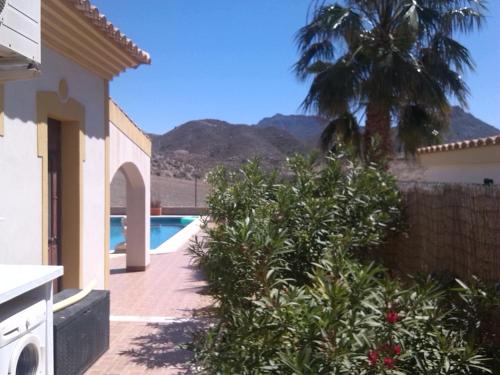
(170, 287)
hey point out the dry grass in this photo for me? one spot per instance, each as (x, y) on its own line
(172, 192)
(177, 192)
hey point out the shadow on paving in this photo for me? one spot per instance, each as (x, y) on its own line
(164, 347)
(196, 273)
(116, 271)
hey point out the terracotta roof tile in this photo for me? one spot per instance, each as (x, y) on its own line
(470, 143)
(101, 22)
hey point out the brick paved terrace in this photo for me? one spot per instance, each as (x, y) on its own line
(151, 316)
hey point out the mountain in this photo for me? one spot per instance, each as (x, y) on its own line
(197, 146)
(305, 128)
(464, 125)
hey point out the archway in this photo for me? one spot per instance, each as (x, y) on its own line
(136, 206)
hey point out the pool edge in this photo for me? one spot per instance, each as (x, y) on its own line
(174, 243)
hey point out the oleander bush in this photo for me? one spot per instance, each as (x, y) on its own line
(292, 298)
(264, 224)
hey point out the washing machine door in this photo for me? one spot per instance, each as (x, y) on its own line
(26, 358)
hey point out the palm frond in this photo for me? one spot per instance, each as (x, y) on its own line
(446, 81)
(316, 52)
(344, 128)
(333, 88)
(452, 52)
(465, 20)
(419, 126)
(322, 25)
(331, 24)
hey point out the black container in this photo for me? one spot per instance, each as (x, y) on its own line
(81, 332)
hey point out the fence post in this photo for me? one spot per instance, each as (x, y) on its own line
(196, 191)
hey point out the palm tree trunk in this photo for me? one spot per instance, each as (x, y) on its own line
(378, 129)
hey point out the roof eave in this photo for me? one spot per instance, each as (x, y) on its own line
(469, 143)
(78, 31)
(100, 21)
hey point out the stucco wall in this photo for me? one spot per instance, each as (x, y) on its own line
(470, 165)
(123, 150)
(20, 167)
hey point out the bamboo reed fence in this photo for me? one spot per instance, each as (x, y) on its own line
(452, 229)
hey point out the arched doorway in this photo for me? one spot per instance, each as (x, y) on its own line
(136, 211)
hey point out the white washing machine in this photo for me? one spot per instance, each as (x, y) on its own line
(23, 340)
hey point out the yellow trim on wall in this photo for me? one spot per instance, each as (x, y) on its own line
(72, 116)
(48, 105)
(107, 187)
(120, 119)
(2, 115)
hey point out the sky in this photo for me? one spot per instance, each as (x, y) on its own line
(232, 60)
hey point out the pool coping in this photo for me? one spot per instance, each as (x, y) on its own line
(179, 239)
(174, 243)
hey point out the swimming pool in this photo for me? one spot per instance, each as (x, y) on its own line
(162, 228)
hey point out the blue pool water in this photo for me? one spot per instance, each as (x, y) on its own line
(162, 228)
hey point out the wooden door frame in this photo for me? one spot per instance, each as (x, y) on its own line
(55, 182)
(71, 114)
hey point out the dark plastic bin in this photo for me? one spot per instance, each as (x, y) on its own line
(81, 332)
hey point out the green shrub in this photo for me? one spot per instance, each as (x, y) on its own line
(350, 320)
(293, 299)
(264, 225)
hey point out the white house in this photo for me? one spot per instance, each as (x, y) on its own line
(474, 161)
(62, 140)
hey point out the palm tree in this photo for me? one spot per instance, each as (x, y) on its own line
(390, 62)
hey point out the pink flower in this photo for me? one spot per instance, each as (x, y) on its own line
(397, 349)
(388, 362)
(392, 317)
(373, 357)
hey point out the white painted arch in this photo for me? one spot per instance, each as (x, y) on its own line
(125, 155)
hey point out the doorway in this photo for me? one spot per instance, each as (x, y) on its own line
(63, 126)
(55, 196)
(64, 201)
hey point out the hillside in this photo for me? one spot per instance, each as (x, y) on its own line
(194, 148)
(198, 146)
(172, 192)
(465, 126)
(305, 128)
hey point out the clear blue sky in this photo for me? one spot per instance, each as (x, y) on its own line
(232, 59)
